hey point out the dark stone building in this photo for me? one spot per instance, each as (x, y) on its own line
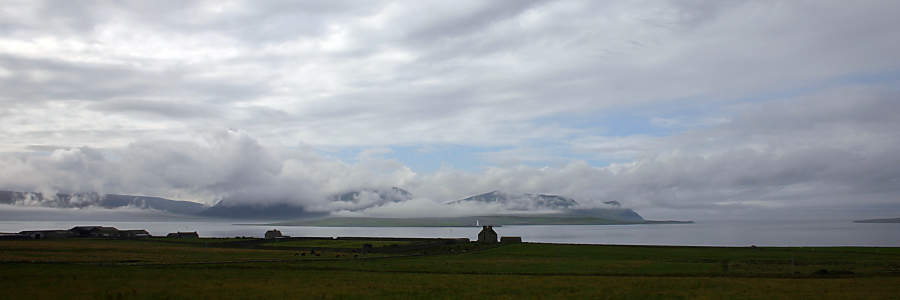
(274, 233)
(487, 235)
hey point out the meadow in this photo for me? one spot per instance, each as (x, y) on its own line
(198, 269)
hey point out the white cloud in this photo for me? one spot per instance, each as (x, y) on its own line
(788, 101)
(466, 73)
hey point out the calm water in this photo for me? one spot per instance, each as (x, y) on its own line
(702, 233)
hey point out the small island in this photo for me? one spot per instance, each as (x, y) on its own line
(888, 220)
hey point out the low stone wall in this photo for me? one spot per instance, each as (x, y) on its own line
(510, 239)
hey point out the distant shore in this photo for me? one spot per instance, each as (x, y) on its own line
(888, 220)
(464, 221)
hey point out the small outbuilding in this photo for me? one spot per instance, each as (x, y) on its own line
(139, 233)
(510, 239)
(274, 233)
(184, 235)
(487, 235)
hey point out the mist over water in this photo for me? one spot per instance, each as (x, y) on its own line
(702, 233)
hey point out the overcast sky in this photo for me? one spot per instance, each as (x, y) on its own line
(673, 108)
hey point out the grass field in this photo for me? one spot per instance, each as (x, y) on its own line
(159, 269)
(336, 243)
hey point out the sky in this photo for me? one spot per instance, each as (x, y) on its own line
(677, 109)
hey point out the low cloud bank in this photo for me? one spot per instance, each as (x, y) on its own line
(92, 213)
(840, 150)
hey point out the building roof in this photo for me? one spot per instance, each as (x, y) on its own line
(93, 228)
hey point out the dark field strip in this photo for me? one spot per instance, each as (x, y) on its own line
(19, 281)
(147, 269)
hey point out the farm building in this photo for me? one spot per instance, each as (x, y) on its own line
(139, 233)
(11, 236)
(84, 232)
(184, 235)
(48, 234)
(95, 231)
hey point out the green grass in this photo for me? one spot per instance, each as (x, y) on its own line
(154, 269)
(646, 260)
(335, 243)
(137, 251)
(200, 240)
(24, 281)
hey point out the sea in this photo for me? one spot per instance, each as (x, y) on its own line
(726, 233)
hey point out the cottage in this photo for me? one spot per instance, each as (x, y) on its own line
(487, 235)
(274, 233)
(184, 235)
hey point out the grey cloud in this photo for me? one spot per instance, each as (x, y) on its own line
(269, 22)
(96, 214)
(337, 74)
(235, 164)
(457, 21)
(42, 80)
(175, 110)
(780, 164)
(224, 164)
(231, 162)
(494, 72)
(47, 80)
(72, 16)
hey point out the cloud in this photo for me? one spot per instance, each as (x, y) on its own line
(95, 214)
(808, 152)
(738, 104)
(383, 74)
(157, 108)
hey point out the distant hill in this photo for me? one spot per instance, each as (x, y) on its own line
(520, 202)
(566, 214)
(368, 198)
(566, 211)
(529, 202)
(234, 208)
(620, 214)
(105, 201)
